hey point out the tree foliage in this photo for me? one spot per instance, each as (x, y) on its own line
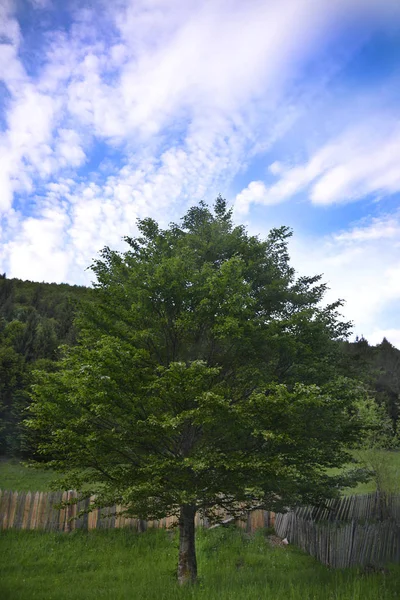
(205, 378)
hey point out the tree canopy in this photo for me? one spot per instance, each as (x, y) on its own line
(204, 379)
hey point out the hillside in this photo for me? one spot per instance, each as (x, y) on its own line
(35, 319)
(379, 367)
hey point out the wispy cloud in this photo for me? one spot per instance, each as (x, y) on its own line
(40, 4)
(184, 91)
(361, 265)
(361, 161)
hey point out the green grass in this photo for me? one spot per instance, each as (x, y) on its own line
(120, 564)
(19, 478)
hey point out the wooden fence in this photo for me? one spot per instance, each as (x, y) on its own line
(356, 530)
(343, 545)
(367, 507)
(36, 510)
(351, 531)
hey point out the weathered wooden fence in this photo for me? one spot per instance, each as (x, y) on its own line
(36, 510)
(366, 507)
(355, 530)
(351, 531)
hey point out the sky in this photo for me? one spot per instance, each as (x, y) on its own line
(290, 109)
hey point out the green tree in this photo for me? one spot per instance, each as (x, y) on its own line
(45, 341)
(372, 452)
(12, 398)
(387, 360)
(35, 318)
(379, 368)
(204, 380)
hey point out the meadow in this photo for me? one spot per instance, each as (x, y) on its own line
(120, 564)
(15, 476)
(386, 463)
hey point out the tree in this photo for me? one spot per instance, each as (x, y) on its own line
(12, 398)
(379, 437)
(387, 359)
(379, 367)
(204, 380)
(35, 318)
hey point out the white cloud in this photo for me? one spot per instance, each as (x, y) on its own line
(159, 68)
(392, 335)
(69, 148)
(9, 27)
(7, 186)
(360, 265)
(190, 61)
(187, 93)
(383, 228)
(25, 147)
(361, 161)
(198, 72)
(38, 253)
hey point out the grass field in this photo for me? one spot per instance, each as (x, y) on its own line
(19, 478)
(387, 463)
(120, 564)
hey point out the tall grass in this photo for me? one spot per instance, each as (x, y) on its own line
(119, 564)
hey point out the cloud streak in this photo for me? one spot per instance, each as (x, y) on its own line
(360, 162)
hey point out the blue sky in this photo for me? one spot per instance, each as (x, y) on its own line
(110, 111)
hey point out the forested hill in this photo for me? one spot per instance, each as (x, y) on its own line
(36, 318)
(379, 367)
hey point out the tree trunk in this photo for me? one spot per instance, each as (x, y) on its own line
(187, 564)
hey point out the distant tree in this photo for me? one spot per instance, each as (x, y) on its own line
(11, 398)
(387, 360)
(204, 379)
(379, 437)
(45, 341)
(35, 318)
(6, 297)
(29, 337)
(379, 368)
